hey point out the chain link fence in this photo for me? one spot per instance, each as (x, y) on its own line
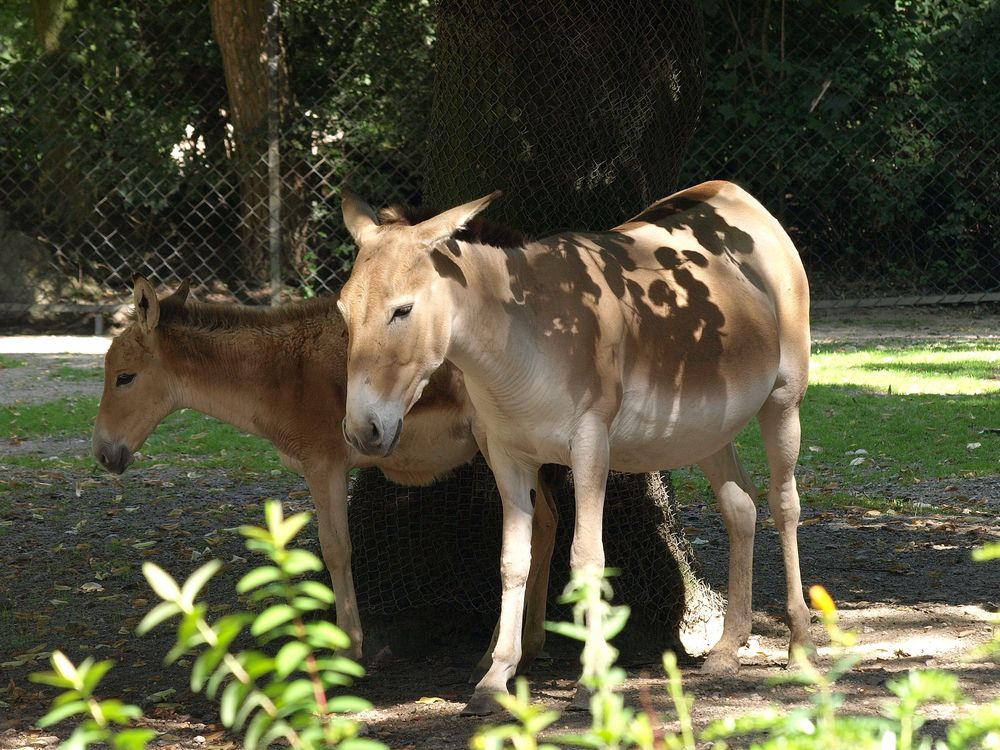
(134, 137)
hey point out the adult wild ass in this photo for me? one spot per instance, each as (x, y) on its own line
(281, 373)
(646, 347)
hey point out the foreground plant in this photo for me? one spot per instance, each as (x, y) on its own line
(821, 725)
(284, 698)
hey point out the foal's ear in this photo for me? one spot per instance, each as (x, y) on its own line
(359, 217)
(180, 295)
(445, 224)
(147, 306)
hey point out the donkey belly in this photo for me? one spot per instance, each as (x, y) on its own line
(661, 428)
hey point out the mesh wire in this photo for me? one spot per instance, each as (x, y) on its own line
(580, 111)
(435, 552)
(861, 126)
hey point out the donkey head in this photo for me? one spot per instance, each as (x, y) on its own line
(398, 314)
(137, 392)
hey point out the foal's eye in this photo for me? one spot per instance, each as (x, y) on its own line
(124, 379)
(401, 312)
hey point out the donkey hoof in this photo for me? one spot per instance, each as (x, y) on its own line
(581, 699)
(721, 663)
(481, 704)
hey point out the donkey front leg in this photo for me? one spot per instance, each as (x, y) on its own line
(329, 490)
(517, 487)
(543, 542)
(589, 458)
(734, 490)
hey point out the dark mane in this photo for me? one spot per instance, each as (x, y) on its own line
(213, 316)
(480, 230)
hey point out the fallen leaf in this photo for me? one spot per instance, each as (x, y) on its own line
(430, 699)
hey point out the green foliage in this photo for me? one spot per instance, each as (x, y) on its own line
(822, 725)
(859, 124)
(287, 693)
(9, 362)
(100, 717)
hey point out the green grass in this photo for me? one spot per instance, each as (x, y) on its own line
(914, 409)
(7, 362)
(185, 436)
(917, 412)
(76, 374)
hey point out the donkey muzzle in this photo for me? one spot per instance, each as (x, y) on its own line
(372, 437)
(115, 457)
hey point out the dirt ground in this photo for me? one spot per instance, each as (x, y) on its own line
(73, 541)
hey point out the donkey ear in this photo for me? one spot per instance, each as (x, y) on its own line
(359, 217)
(444, 225)
(147, 306)
(180, 295)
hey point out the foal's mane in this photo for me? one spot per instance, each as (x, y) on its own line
(479, 229)
(214, 316)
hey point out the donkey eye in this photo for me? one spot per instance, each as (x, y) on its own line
(124, 379)
(401, 312)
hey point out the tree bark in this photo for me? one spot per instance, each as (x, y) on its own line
(580, 111)
(240, 28)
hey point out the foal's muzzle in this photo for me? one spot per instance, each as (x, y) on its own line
(115, 457)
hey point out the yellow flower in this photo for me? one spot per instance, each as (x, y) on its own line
(822, 600)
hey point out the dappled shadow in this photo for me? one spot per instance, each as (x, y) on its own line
(579, 287)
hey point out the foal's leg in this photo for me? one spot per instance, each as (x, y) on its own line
(779, 422)
(543, 541)
(732, 487)
(329, 490)
(516, 485)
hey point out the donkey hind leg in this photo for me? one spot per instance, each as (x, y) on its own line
(543, 541)
(516, 485)
(779, 421)
(735, 493)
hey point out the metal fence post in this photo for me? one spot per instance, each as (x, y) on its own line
(274, 149)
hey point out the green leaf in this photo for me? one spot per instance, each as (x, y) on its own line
(118, 712)
(568, 629)
(290, 527)
(271, 618)
(340, 664)
(220, 673)
(361, 743)
(301, 561)
(197, 580)
(159, 613)
(63, 712)
(65, 668)
(290, 657)
(161, 582)
(257, 727)
(92, 677)
(616, 620)
(322, 634)
(318, 591)
(258, 577)
(230, 702)
(344, 704)
(250, 703)
(133, 739)
(297, 690)
(50, 678)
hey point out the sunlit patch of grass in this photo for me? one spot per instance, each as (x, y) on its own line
(881, 418)
(65, 416)
(948, 368)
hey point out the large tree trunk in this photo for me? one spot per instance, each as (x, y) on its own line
(580, 111)
(240, 30)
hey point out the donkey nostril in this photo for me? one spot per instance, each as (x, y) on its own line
(376, 430)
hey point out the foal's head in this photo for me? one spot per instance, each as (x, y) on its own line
(398, 315)
(137, 394)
